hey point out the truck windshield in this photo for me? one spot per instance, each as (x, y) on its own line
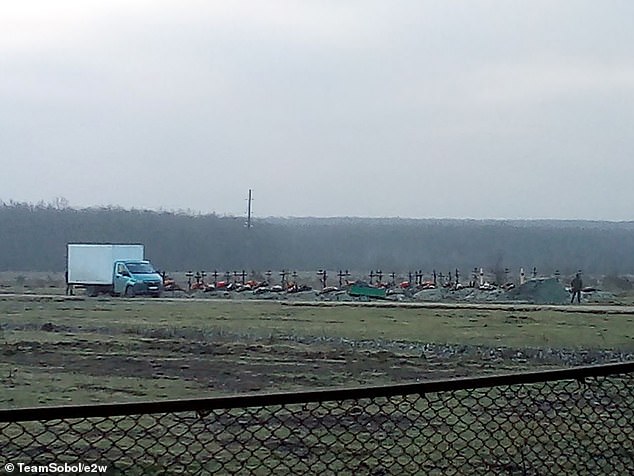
(140, 268)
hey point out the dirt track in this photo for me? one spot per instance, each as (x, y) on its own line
(584, 308)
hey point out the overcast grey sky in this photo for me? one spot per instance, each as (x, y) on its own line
(323, 108)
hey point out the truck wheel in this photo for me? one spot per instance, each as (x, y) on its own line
(129, 292)
(91, 291)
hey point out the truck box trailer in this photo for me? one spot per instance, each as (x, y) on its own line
(117, 269)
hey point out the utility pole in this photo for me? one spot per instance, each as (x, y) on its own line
(250, 199)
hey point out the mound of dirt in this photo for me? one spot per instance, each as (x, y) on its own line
(541, 291)
(431, 295)
(461, 295)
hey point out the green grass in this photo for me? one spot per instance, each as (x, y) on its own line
(204, 319)
(98, 350)
(27, 386)
(544, 328)
(57, 351)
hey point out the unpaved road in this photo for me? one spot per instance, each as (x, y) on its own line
(524, 307)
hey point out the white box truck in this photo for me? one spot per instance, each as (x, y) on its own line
(115, 269)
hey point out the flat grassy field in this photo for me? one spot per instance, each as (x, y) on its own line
(59, 351)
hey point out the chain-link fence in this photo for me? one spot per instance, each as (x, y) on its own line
(574, 421)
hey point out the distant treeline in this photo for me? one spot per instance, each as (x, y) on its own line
(34, 238)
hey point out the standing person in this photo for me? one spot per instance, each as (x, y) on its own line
(576, 285)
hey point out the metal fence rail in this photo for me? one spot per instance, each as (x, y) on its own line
(573, 421)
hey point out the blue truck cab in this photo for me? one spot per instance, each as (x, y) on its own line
(136, 277)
